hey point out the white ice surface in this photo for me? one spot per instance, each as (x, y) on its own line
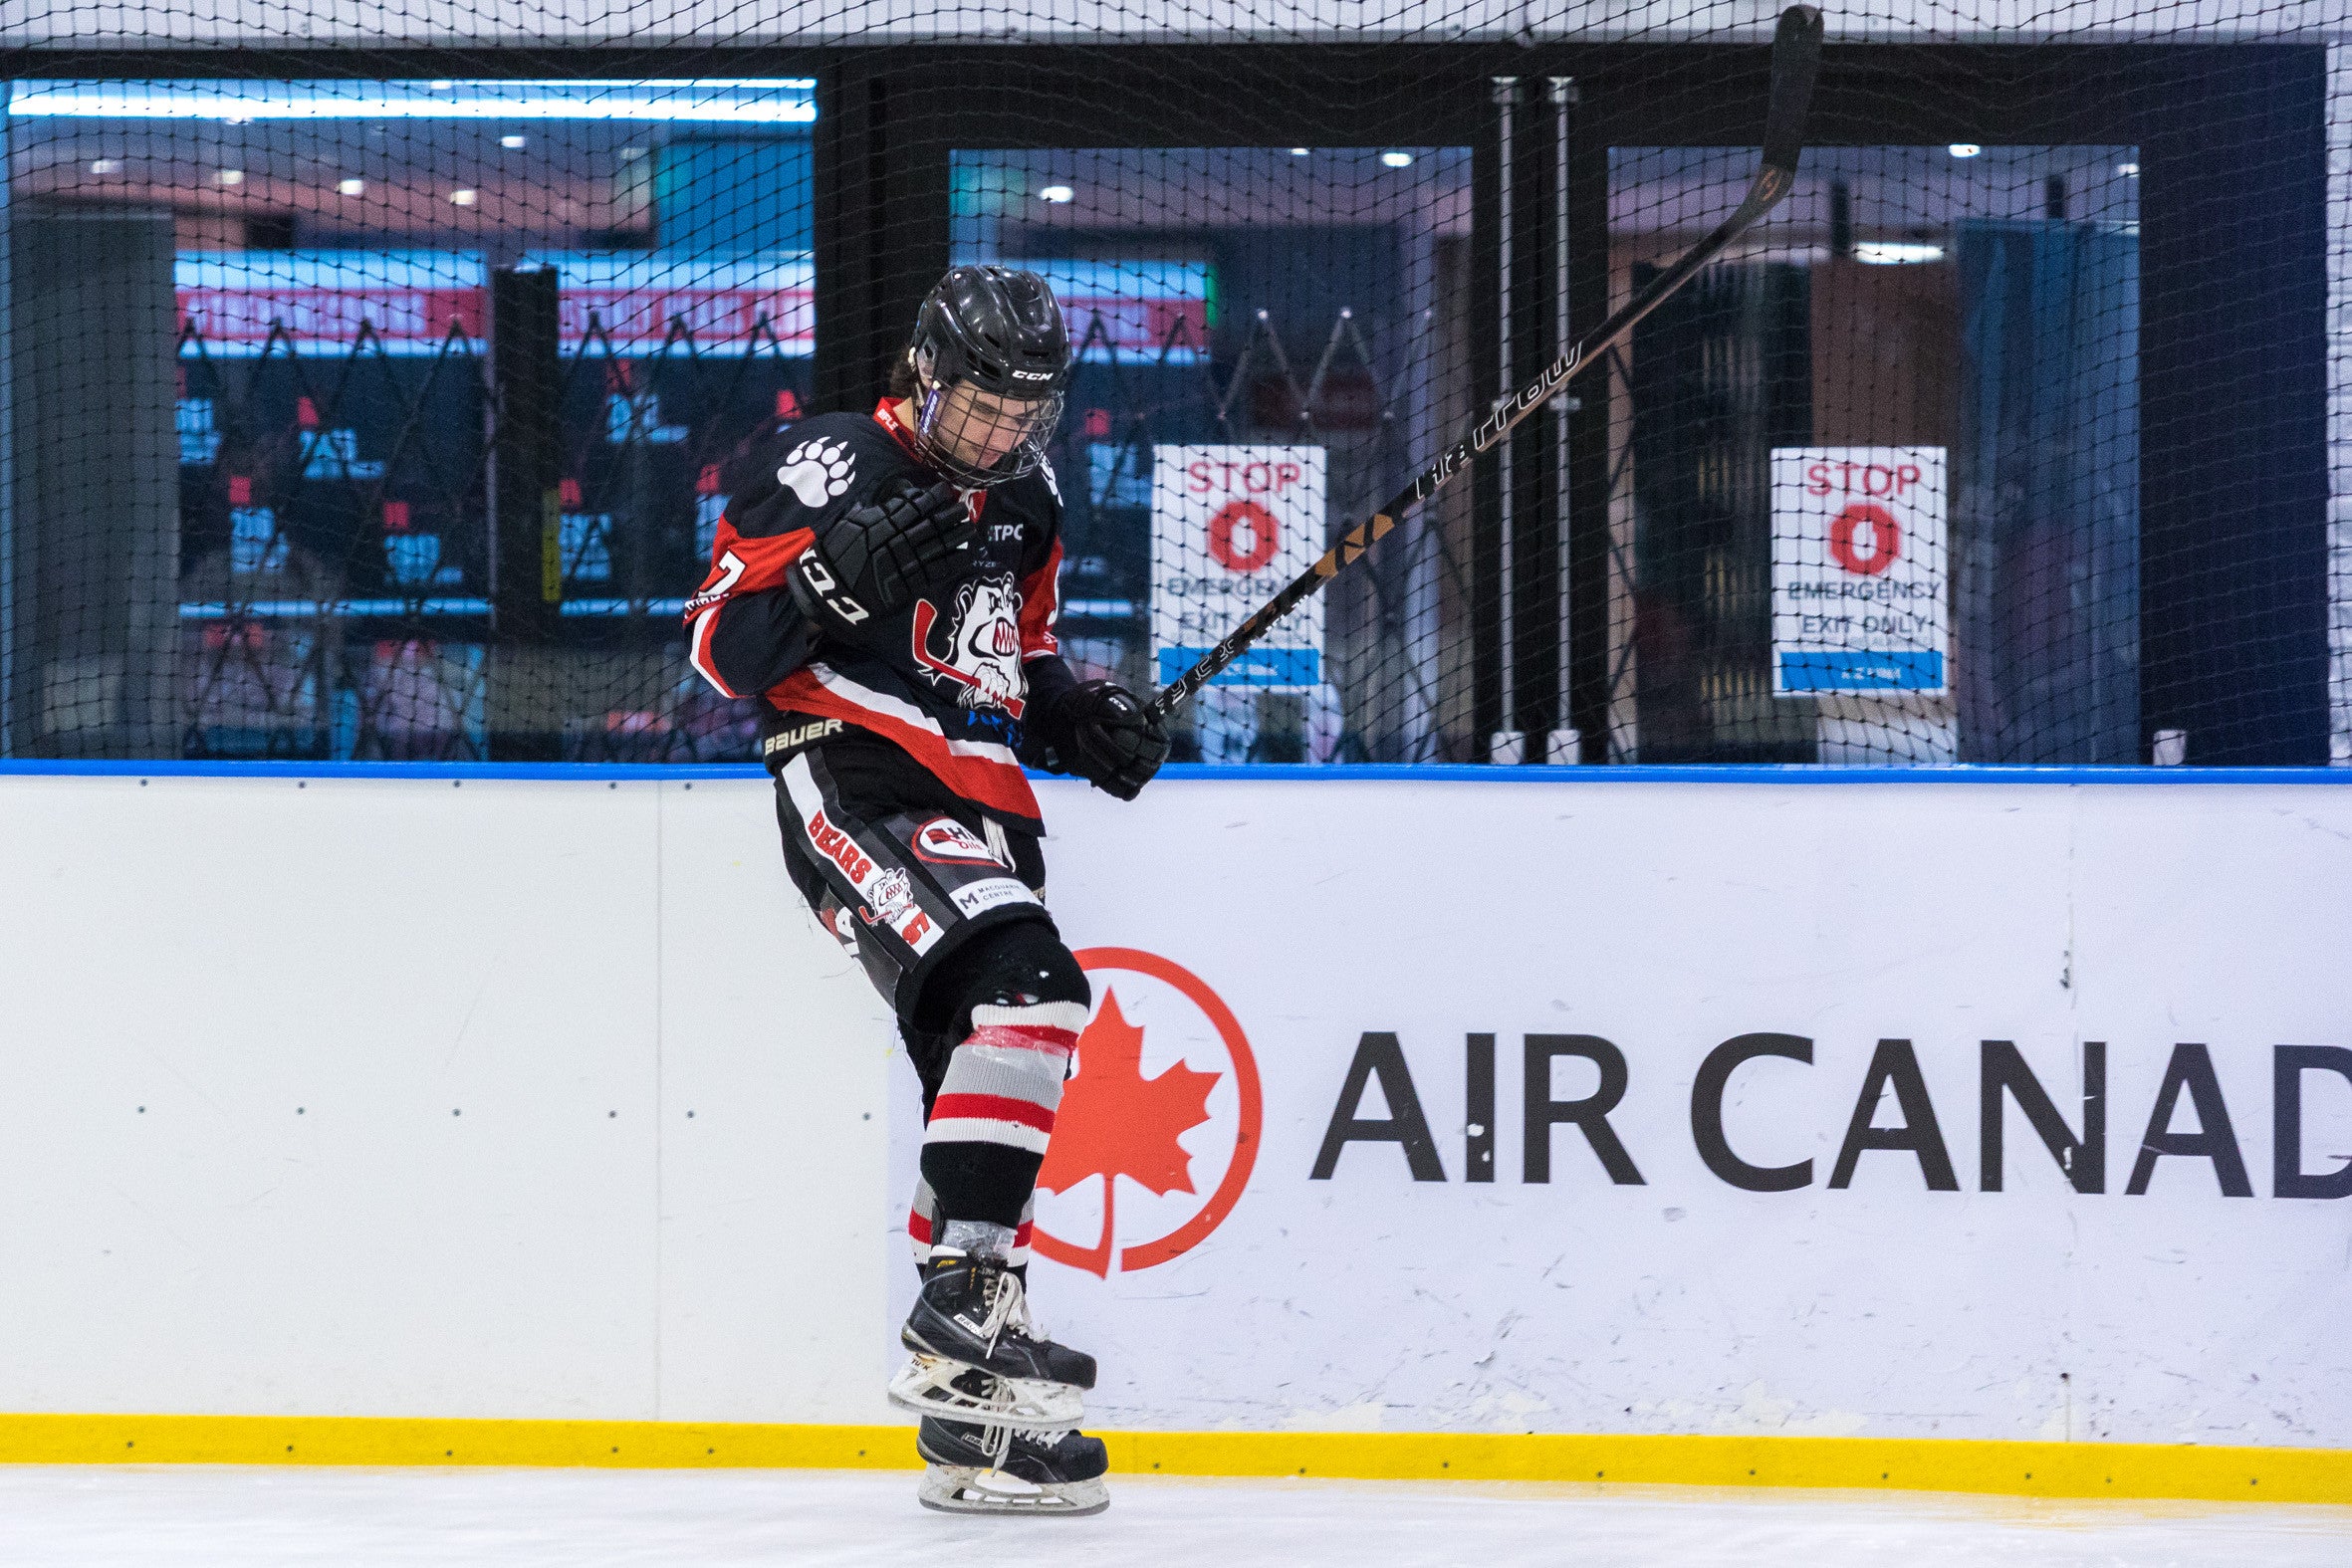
(183, 1517)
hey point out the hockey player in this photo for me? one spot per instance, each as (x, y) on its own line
(885, 584)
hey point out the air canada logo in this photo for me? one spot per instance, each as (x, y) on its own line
(1159, 1127)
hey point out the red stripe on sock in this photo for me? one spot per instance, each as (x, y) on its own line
(991, 1107)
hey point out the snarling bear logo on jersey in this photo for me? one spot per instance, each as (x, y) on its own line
(982, 661)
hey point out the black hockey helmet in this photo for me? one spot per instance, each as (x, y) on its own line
(992, 361)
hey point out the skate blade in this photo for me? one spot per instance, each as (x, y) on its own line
(957, 1488)
(926, 1386)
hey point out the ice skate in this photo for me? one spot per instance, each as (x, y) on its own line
(978, 1356)
(996, 1469)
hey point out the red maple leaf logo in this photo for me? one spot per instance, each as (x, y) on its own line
(1115, 1122)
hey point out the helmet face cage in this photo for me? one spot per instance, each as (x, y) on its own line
(977, 437)
(992, 360)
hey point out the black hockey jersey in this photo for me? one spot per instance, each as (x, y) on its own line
(946, 678)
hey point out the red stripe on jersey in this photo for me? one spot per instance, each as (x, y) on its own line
(1041, 607)
(764, 559)
(746, 565)
(998, 787)
(991, 1108)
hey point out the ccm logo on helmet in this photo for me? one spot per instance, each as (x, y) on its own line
(945, 838)
(1032, 375)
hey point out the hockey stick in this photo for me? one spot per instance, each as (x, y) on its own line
(1797, 56)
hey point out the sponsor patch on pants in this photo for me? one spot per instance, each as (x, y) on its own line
(975, 898)
(943, 840)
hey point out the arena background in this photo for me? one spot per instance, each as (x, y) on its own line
(418, 1056)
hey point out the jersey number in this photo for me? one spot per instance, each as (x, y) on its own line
(730, 570)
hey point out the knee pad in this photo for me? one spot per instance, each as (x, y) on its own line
(1019, 964)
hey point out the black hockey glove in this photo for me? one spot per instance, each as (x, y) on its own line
(1105, 734)
(880, 558)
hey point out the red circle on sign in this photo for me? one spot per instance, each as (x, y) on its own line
(1886, 539)
(1262, 539)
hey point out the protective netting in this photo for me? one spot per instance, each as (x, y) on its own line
(375, 380)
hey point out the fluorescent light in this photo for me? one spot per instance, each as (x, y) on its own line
(464, 198)
(353, 187)
(1055, 193)
(744, 101)
(106, 166)
(1887, 253)
(2130, 171)
(1397, 160)
(514, 143)
(1297, 152)
(1964, 150)
(231, 176)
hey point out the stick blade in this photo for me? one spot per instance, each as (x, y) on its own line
(1797, 60)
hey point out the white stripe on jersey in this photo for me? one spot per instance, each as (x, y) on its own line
(908, 714)
(698, 650)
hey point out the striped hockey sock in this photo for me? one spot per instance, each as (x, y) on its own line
(995, 1113)
(924, 1227)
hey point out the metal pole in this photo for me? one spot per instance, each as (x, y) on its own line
(1564, 744)
(1796, 58)
(1506, 746)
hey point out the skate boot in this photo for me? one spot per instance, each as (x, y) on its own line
(994, 1469)
(978, 1356)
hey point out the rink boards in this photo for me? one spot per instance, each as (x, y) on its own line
(1621, 1112)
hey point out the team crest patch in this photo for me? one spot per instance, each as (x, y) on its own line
(981, 662)
(890, 898)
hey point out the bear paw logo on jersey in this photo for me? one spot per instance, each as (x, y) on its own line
(982, 663)
(816, 471)
(1159, 1124)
